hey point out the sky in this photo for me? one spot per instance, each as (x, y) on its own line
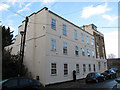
(104, 14)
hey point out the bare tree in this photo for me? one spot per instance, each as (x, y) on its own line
(111, 55)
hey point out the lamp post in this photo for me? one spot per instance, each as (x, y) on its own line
(21, 48)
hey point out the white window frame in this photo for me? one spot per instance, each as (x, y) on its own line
(53, 24)
(83, 51)
(89, 65)
(92, 41)
(103, 52)
(75, 34)
(65, 69)
(53, 68)
(84, 68)
(87, 39)
(76, 51)
(93, 54)
(98, 56)
(77, 68)
(82, 37)
(64, 48)
(64, 30)
(88, 52)
(53, 45)
(94, 67)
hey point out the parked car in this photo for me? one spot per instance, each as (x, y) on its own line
(94, 76)
(109, 74)
(20, 83)
(115, 69)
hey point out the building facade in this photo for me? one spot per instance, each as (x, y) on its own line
(55, 47)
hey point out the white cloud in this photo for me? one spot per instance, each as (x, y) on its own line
(4, 7)
(25, 8)
(91, 10)
(111, 42)
(12, 1)
(48, 1)
(11, 28)
(110, 18)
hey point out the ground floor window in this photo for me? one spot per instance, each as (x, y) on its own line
(53, 69)
(84, 68)
(89, 68)
(99, 65)
(77, 68)
(94, 67)
(104, 65)
(65, 69)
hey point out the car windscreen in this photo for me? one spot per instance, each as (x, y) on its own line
(3, 81)
(91, 74)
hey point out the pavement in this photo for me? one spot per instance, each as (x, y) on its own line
(70, 84)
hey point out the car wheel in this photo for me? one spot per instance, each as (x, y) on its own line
(96, 81)
(111, 77)
(86, 81)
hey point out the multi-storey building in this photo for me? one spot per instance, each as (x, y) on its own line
(55, 47)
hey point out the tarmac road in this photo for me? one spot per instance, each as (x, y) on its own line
(107, 84)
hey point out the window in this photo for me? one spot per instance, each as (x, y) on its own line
(64, 48)
(53, 45)
(99, 65)
(104, 65)
(102, 41)
(83, 51)
(76, 51)
(53, 24)
(65, 69)
(77, 68)
(96, 38)
(64, 30)
(92, 41)
(84, 68)
(12, 83)
(53, 69)
(103, 52)
(88, 51)
(94, 67)
(87, 40)
(24, 82)
(82, 37)
(75, 34)
(97, 51)
(93, 54)
(89, 68)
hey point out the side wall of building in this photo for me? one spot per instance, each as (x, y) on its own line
(70, 59)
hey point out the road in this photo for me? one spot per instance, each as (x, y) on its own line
(107, 84)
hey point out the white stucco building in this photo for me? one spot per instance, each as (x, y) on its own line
(55, 47)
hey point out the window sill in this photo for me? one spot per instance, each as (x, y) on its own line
(53, 29)
(65, 34)
(66, 75)
(76, 39)
(53, 50)
(53, 74)
(64, 53)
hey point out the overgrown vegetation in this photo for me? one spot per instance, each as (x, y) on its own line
(10, 62)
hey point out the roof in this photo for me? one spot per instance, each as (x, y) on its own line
(61, 18)
(93, 29)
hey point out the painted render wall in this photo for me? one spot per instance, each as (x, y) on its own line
(38, 55)
(59, 58)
